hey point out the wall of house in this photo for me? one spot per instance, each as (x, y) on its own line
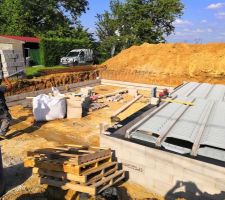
(168, 174)
(10, 44)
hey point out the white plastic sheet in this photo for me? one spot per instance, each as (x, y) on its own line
(46, 108)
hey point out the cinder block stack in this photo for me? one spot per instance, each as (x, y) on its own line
(79, 104)
(12, 61)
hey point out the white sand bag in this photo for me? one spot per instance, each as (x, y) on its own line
(46, 108)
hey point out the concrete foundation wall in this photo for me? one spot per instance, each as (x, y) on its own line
(168, 174)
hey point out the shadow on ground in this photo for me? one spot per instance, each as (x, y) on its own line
(20, 119)
(54, 193)
(15, 175)
(190, 191)
(34, 127)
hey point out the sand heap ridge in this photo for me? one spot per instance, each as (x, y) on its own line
(200, 62)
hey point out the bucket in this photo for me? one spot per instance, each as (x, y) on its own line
(2, 185)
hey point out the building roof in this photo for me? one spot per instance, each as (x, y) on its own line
(195, 130)
(22, 38)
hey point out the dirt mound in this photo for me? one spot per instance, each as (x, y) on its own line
(53, 80)
(171, 63)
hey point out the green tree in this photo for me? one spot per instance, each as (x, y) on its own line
(38, 17)
(13, 18)
(135, 22)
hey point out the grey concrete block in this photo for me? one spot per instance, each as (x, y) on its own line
(162, 171)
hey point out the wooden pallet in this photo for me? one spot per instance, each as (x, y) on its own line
(74, 153)
(72, 195)
(78, 169)
(87, 178)
(65, 165)
(92, 189)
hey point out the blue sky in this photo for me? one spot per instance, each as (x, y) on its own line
(203, 20)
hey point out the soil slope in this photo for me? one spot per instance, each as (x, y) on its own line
(177, 62)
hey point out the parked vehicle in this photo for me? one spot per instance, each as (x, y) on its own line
(77, 57)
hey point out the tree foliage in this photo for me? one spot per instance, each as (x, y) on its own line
(135, 22)
(38, 17)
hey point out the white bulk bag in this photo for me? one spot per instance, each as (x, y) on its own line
(46, 108)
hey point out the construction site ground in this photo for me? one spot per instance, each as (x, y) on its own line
(25, 134)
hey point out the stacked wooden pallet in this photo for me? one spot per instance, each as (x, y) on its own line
(78, 169)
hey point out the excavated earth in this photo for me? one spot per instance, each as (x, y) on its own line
(169, 64)
(52, 80)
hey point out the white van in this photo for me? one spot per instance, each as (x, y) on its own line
(78, 57)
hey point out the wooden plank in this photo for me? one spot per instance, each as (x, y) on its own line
(112, 94)
(100, 168)
(66, 186)
(87, 179)
(72, 195)
(104, 173)
(108, 178)
(30, 161)
(92, 189)
(94, 156)
(64, 166)
(93, 148)
(124, 107)
(178, 101)
(76, 156)
(61, 175)
(77, 146)
(112, 182)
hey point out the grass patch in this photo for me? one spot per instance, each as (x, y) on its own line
(35, 70)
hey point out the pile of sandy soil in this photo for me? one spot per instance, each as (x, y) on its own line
(200, 62)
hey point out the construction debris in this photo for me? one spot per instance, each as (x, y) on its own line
(113, 94)
(115, 98)
(96, 106)
(78, 169)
